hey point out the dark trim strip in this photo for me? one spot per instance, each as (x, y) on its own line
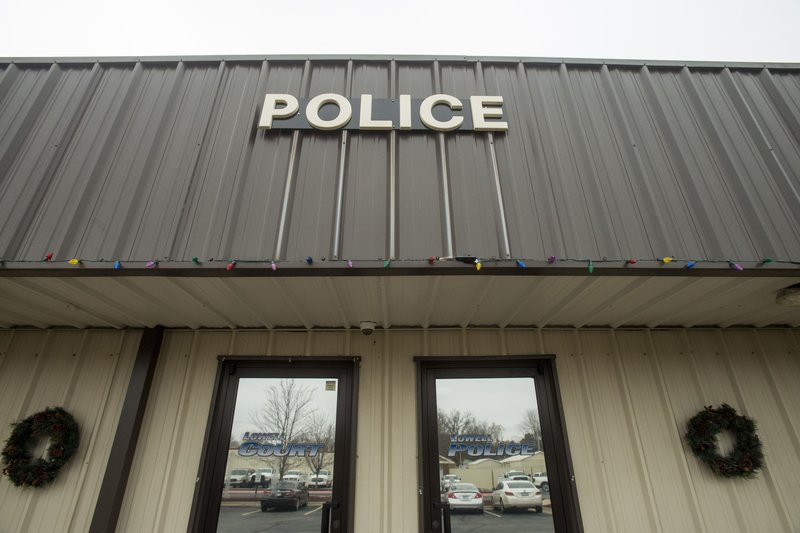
(218, 269)
(781, 65)
(115, 480)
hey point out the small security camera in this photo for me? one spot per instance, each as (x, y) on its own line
(367, 327)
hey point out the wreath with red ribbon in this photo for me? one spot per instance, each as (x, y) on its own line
(20, 466)
(747, 456)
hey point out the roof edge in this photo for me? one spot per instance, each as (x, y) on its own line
(404, 58)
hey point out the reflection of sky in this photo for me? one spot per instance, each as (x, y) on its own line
(494, 400)
(251, 396)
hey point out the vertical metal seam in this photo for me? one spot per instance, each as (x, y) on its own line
(501, 210)
(445, 193)
(766, 472)
(392, 253)
(392, 194)
(592, 423)
(697, 514)
(189, 370)
(287, 194)
(634, 432)
(337, 224)
(338, 215)
(770, 163)
(500, 201)
(437, 83)
(288, 191)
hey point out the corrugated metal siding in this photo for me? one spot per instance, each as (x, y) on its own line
(627, 395)
(142, 160)
(85, 372)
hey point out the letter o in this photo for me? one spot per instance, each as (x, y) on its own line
(316, 103)
(474, 450)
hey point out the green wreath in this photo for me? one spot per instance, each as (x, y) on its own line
(745, 459)
(53, 422)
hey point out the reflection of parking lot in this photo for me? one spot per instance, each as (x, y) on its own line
(241, 519)
(509, 522)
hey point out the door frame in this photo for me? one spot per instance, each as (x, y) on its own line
(560, 473)
(211, 471)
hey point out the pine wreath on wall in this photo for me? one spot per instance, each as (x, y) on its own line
(64, 434)
(747, 456)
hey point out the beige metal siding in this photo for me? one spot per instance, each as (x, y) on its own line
(87, 373)
(627, 395)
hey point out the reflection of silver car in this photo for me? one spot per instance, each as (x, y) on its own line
(464, 497)
(517, 495)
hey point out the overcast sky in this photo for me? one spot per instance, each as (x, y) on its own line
(494, 400)
(723, 30)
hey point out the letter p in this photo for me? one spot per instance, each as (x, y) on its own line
(288, 107)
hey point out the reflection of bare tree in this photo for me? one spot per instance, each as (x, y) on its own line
(320, 431)
(287, 410)
(532, 428)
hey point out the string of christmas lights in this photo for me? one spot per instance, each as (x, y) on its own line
(230, 264)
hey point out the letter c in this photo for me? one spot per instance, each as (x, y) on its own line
(426, 112)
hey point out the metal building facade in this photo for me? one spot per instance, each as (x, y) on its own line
(159, 160)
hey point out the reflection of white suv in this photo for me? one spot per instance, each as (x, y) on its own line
(540, 480)
(293, 475)
(323, 479)
(261, 478)
(237, 478)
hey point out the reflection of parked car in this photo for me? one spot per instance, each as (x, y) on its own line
(286, 495)
(261, 478)
(293, 475)
(515, 475)
(464, 497)
(517, 495)
(322, 479)
(239, 478)
(540, 480)
(448, 480)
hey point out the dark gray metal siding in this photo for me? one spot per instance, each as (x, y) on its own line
(140, 160)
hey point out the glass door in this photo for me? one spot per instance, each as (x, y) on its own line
(280, 448)
(493, 459)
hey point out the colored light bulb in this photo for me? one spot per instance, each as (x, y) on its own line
(590, 267)
(349, 264)
(478, 265)
(74, 261)
(230, 266)
(520, 263)
(735, 266)
(767, 260)
(48, 256)
(431, 260)
(552, 259)
(195, 260)
(273, 266)
(631, 261)
(387, 263)
(666, 259)
(150, 264)
(309, 259)
(117, 265)
(691, 264)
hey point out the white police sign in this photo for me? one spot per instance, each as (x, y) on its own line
(329, 111)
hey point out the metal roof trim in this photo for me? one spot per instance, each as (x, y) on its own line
(405, 58)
